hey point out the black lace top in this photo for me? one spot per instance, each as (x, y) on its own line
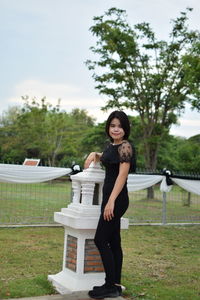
(111, 158)
(116, 154)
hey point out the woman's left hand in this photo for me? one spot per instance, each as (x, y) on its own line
(108, 211)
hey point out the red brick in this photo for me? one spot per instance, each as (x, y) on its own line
(73, 261)
(93, 263)
(88, 269)
(71, 266)
(89, 257)
(72, 245)
(93, 252)
(72, 255)
(99, 269)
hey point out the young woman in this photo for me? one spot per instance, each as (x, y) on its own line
(118, 159)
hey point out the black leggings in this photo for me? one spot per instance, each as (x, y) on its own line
(108, 242)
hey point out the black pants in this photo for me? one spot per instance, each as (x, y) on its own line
(108, 242)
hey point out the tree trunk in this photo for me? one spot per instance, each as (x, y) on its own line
(187, 201)
(151, 154)
(150, 164)
(150, 193)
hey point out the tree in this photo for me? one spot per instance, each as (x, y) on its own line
(191, 66)
(8, 137)
(95, 139)
(189, 155)
(137, 71)
(168, 156)
(81, 124)
(42, 131)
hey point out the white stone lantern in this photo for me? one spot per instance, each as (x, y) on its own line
(82, 265)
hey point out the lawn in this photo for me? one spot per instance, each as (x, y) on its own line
(160, 263)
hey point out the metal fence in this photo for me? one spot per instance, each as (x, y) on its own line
(35, 204)
(176, 207)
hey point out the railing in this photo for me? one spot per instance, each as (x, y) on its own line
(175, 207)
(35, 204)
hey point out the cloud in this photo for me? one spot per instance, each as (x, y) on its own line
(71, 96)
(74, 96)
(190, 123)
(40, 89)
(187, 127)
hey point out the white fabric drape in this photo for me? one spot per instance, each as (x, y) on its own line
(30, 174)
(164, 187)
(192, 186)
(138, 182)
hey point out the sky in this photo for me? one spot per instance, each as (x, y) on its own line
(44, 45)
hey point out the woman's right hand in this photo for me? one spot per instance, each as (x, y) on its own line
(91, 157)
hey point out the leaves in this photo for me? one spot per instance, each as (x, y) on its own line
(137, 71)
(42, 131)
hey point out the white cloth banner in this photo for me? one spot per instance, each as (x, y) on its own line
(192, 186)
(138, 182)
(164, 187)
(30, 174)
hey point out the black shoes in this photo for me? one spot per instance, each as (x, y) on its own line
(119, 288)
(104, 292)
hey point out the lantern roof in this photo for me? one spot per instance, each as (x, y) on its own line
(92, 174)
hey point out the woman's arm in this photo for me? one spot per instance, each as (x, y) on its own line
(119, 184)
(93, 156)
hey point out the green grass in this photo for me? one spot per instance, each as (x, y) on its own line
(160, 263)
(27, 256)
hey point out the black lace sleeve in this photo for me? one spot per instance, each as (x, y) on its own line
(125, 152)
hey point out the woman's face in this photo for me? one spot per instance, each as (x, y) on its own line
(116, 131)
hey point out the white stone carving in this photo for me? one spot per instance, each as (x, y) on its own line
(76, 188)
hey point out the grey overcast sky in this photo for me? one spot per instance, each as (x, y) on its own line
(44, 44)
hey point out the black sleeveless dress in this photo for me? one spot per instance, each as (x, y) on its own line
(111, 158)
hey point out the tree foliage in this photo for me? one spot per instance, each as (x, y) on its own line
(153, 77)
(38, 130)
(42, 131)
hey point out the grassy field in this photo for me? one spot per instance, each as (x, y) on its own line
(36, 204)
(160, 263)
(32, 203)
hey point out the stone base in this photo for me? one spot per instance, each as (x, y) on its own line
(67, 281)
(87, 218)
(82, 268)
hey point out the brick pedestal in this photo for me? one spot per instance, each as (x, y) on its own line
(82, 265)
(92, 258)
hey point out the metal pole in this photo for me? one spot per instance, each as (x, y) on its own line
(164, 209)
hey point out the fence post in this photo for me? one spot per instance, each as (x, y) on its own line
(164, 209)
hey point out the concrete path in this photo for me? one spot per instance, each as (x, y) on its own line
(72, 296)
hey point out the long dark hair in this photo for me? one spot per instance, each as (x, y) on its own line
(124, 121)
